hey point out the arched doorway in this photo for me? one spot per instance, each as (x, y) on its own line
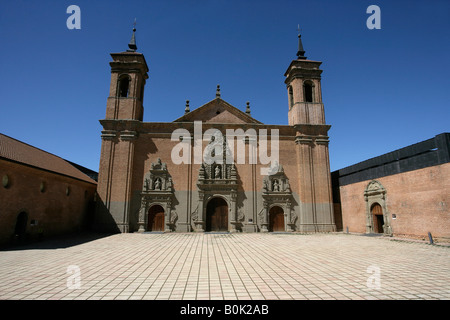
(276, 219)
(21, 226)
(155, 220)
(378, 221)
(217, 215)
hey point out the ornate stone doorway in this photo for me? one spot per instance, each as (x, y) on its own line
(217, 215)
(277, 213)
(217, 180)
(276, 219)
(377, 216)
(155, 218)
(158, 195)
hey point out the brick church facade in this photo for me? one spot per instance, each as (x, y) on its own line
(178, 177)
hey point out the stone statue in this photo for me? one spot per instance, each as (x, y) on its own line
(265, 187)
(158, 184)
(287, 187)
(276, 185)
(217, 172)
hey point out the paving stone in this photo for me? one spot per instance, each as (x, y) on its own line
(236, 266)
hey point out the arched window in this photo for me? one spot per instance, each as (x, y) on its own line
(124, 84)
(291, 97)
(308, 91)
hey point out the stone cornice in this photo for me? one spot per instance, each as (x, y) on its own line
(128, 135)
(109, 134)
(319, 140)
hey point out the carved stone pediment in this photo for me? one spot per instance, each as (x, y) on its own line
(276, 182)
(215, 176)
(374, 187)
(215, 172)
(158, 178)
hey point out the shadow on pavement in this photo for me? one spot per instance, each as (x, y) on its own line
(56, 242)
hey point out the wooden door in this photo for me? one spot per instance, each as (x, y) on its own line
(217, 215)
(21, 225)
(156, 219)
(378, 220)
(276, 219)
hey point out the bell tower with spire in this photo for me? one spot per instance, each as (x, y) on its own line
(306, 115)
(128, 75)
(304, 91)
(124, 114)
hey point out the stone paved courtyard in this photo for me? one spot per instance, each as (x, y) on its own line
(199, 266)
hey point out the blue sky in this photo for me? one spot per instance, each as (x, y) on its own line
(382, 89)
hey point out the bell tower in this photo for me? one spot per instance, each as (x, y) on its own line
(304, 91)
(124, 114)
(306, 115)
(128, 75)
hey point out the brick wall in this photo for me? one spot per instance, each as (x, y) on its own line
(55, 204)
(419, 199)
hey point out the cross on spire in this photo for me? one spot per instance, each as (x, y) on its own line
(132, 44)
(300, 52)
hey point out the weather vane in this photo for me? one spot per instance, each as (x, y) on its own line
(134, 23)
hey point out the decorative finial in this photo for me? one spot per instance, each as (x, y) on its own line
(132, 44)
(300, 52)
(186, 110)
(218, 91)
(247, 111)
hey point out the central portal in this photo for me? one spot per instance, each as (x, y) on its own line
(217, 215)
(276, 218)
(156, 218)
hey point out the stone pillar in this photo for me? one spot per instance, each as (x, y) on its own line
(264, 217)
(167, 211)
(369, 219)
(142, 214)
(233, 212)
(290, 222)
(199, 223)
